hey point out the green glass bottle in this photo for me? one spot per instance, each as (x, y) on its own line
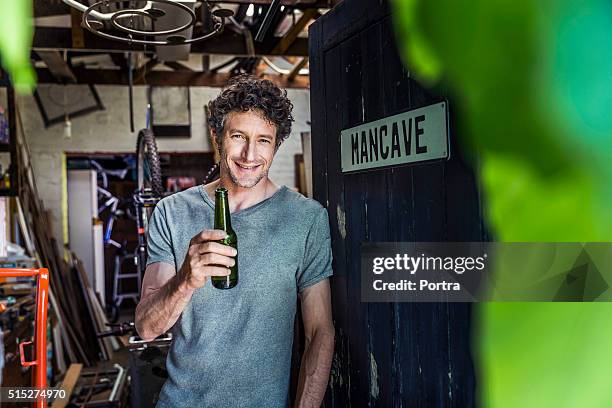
(223, 222)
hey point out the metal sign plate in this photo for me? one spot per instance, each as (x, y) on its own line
(409, 137)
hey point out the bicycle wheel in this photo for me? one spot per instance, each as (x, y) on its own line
(148, 168)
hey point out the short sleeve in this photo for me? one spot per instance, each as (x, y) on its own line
(159, 243)
(317, 262)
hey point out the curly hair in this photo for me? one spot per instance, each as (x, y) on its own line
(247, 92)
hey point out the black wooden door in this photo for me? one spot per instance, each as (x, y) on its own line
(387, 354)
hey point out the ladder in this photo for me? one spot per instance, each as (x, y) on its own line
(118, 295)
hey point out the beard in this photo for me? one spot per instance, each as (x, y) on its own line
(243, 181)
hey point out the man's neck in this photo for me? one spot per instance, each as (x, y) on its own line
(241, 197)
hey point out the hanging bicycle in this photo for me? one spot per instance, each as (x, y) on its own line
(149, 189)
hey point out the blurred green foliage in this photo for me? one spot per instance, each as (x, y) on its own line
(16, 30)
(532, 82)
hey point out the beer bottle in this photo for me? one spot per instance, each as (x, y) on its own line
(223, 222)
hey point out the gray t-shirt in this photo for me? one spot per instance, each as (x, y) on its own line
(232, 348)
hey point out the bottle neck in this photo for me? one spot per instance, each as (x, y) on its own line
(222, 213)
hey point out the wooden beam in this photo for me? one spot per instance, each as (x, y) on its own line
(292, 35)
(70, 380)
(140, 75)
(300, 4)
(163, 78)
(177, 66)
(226, 43)
(296, 69)
(260, 68)
(58, 67)
(205, 63)
(230, 62)
(46, 8)
(119, 60)
(78, 39)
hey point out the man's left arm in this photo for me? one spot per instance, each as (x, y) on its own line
(319, 349)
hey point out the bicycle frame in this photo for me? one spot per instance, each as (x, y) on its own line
(112, 203)
(145, 202)
(39, 373)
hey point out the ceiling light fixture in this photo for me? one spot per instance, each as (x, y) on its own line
(121, 25)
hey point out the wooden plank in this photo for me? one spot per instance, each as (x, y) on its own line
(165, 78)
(45, 8)
(25, 232)
(68, 383)
(405, 354)
(111, 342)
(72, 344)
(465, 223)
(227, 43)
(77, 33)
(318, 109)
(141, 73)
(205, 63)
(92, 324)
(329, 191)
(348, 19)
(300, 4)
(58, 349)
(431, 329)
(57, 66)
(376, 187)
(67, 334)
(337, 217)
(434, 327)
(350, 187)
(395, 84)
(35, 224)
(177, 66)
(296, 69)
(291, 35)
(318, 113)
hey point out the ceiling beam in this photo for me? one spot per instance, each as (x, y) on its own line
(163, 78)
(177, 66)
(78, 34)
(296, 69)
(301, 4)
(46, 8)
(226, 43)
(292, 35)
(205, 63)
(140, 74)
(57, 66)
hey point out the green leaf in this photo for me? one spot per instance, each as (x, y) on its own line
(16, 41)
(532, 82)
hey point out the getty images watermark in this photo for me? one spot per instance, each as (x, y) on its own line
(485, 271)
(413, 264)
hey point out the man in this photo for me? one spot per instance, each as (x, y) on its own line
(232, 348)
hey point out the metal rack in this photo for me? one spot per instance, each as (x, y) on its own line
(39, 373)
(11, 147)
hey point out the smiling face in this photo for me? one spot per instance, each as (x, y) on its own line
(247, 147)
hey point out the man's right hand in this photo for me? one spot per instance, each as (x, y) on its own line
(206, 258)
